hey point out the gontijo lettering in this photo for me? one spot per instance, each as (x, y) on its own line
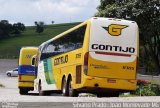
(113, 48)
(61, 60)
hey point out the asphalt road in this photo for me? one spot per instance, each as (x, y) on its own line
(9, 94)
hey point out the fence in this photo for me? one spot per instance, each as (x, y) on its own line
(153, 79)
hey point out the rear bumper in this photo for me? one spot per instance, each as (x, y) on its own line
(108, 83)
(25, 84)
(26, 80)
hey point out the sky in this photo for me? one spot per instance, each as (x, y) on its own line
(59, 11)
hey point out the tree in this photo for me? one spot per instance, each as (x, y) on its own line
(18, 28)
(52, 22)
(39, 26)
(147, 14)
(5, 29)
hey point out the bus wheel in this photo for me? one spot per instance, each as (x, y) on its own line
(41, 93)
(64, 87)
(23, 91)
(72, 92)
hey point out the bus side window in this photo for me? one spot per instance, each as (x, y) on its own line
(69, 42)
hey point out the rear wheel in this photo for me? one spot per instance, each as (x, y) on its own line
(72, 92)
(64, 87)
(23, 91)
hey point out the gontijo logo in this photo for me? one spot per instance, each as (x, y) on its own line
(115, 29)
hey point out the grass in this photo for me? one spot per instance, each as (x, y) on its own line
(9, 47)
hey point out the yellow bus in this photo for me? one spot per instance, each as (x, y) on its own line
(97, 56)
(26, 69)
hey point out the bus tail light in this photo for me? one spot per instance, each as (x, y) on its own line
(86, 62)
(19, 77)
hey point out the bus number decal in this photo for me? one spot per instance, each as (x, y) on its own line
(78, 55)
(61, 60)
(128, 68)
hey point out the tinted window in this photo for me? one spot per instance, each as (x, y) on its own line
(69, 42)
(15, 69)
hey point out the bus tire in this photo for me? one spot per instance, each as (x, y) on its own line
(72, 92)
(23, 91)
(41, 93)
(64, 87)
